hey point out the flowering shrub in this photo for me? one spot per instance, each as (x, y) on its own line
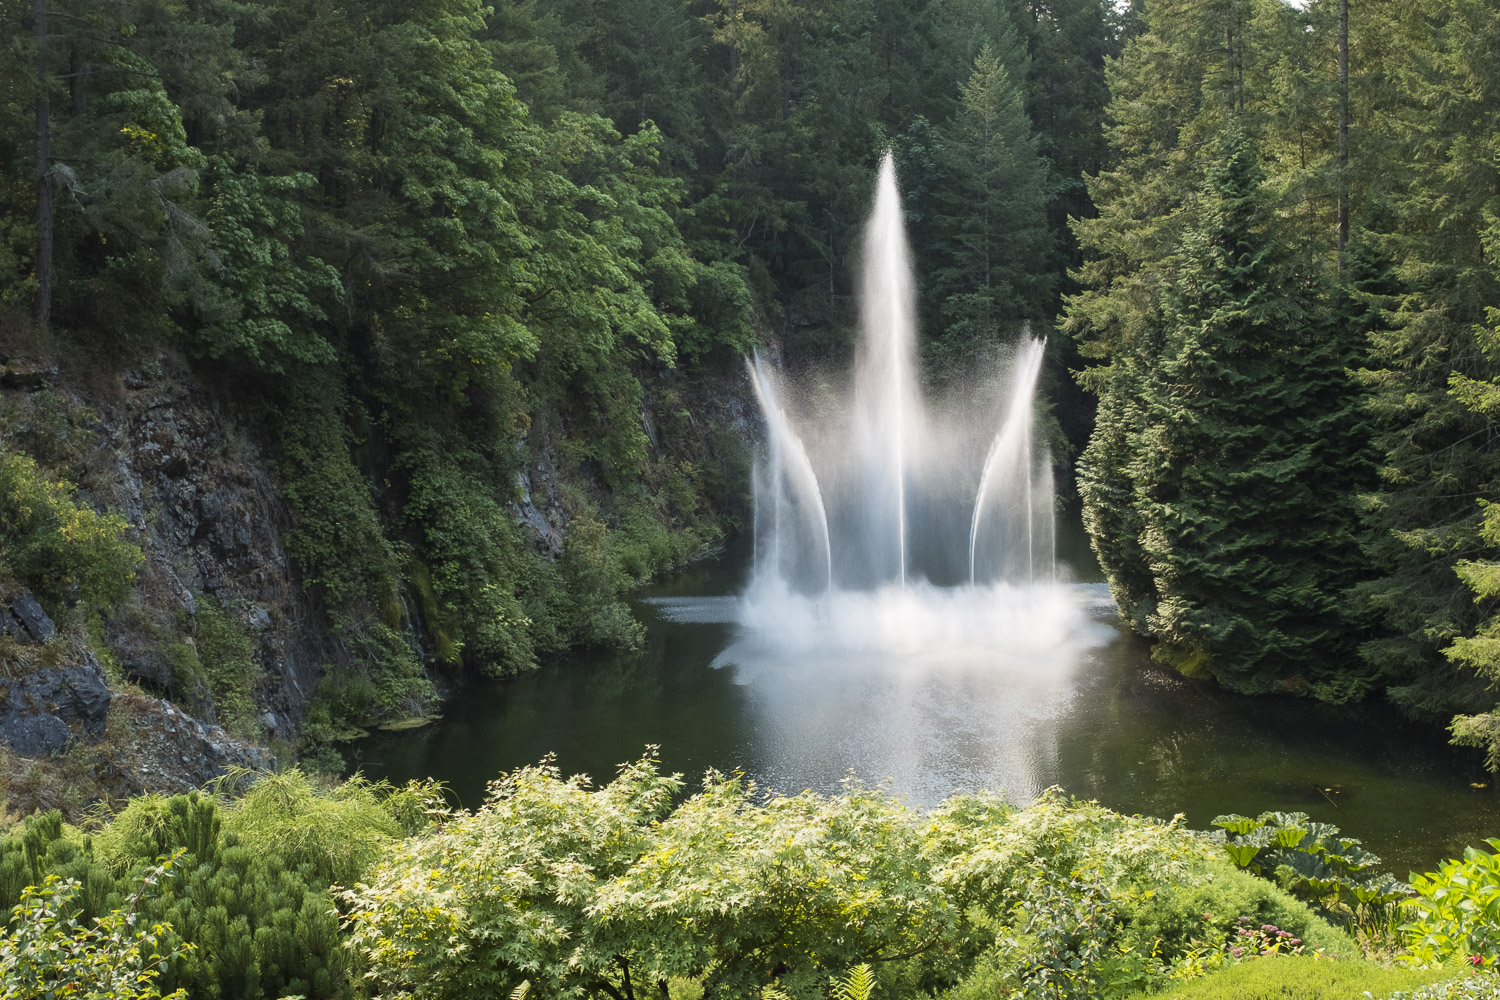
(1251, 941)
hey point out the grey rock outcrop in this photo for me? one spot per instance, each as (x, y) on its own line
(44, 711)
(171, 751)
(195, 474)
(36, 622)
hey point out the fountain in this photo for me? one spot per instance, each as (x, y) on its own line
(876, 494)
(904, 614)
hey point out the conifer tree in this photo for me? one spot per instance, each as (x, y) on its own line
(1243, 462)
(996, 261)
(1479, 651)
(1438, 455)
(1106, 488)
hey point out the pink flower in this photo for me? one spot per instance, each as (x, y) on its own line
(1236, 952)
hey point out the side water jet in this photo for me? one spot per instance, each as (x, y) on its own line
(914, 533)
(1011, 478)
(789, 464)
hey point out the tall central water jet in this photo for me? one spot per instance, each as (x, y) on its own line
(887, 408)
(880, 492)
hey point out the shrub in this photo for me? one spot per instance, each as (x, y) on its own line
(49, 952)
(54, 543)
(1457, 910)
(1311, 860)
(339, 831)
(1304, 977)
(1481, 986)
(250, 913)
(1086, 902)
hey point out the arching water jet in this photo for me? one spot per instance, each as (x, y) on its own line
(789, 464)
(1011, 473)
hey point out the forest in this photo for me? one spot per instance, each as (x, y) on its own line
(452, 261)
(417, 237)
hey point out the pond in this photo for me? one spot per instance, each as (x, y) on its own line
(1101, 720)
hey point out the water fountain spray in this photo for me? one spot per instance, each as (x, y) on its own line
(836, 496)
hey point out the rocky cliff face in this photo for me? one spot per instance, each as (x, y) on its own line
(219, 650)
(186, 464)
(193, 472)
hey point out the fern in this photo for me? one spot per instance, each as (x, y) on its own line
(859, 984)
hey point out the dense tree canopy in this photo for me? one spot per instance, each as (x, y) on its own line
(442, 242)
(1377, 202)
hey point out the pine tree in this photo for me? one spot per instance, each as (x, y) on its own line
(1438, 455)
(996, 262)
(1243, 463)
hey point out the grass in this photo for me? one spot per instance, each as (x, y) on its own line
(1305, 978)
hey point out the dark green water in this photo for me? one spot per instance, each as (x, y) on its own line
(1104, 723)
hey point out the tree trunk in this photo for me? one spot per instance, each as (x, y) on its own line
(1343, 129)
(43, 172)
(734, 51)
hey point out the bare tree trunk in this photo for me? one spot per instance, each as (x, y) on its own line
(734, 51)
(1343, 129)
(43, 172)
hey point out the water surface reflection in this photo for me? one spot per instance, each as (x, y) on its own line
(1086, 710)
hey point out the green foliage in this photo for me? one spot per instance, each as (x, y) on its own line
(1427, 342)
(1456, 912)
(55, 543)
(1483, 986)
(994, 263)
(1069, 921)
(339, 833)
(249, 909)
(1238, 458)
(1310, 860)
(50, 428)
(1480, 652)
(595, 579)
(337, 540)
(567, 888)
(225, 652)
(49, 952)
(1093, 903)
(474, 907)
(1309, 978)
(255, 299)
(858, 984)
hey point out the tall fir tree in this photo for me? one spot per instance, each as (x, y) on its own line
(1242, 458)
(1438, 455)
(995, 260)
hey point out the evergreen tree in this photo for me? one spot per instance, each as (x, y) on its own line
(1438, 455)
(1479, 652)
(1243, 461)
(995, 264)
(1106, 487)
(1068, 42)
